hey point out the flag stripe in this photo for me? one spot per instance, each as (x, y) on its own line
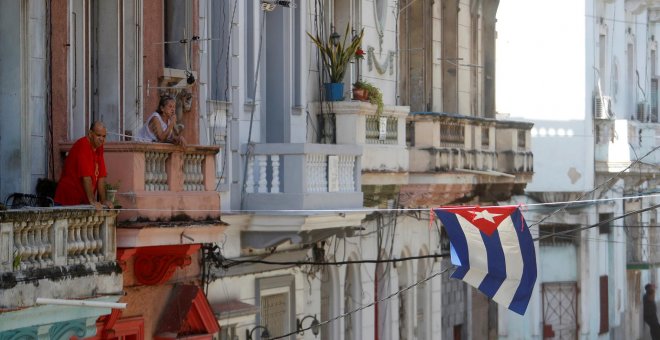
(526, 288)
(502, 265)
(457, 240)
(497, 270)
(477, 252)
(514, 262)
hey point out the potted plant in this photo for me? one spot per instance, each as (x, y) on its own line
(335, 56)
(373, 94)
(111, 191)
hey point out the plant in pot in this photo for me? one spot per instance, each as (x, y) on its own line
(336, 56)
(111, 192)
(373, 94)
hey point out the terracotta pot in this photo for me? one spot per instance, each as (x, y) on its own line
(360, 94)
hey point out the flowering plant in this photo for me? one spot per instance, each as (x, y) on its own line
(336, 55)
(359, 53)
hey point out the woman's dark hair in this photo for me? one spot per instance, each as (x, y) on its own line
(163, 100)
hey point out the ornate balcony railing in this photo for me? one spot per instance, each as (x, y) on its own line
(443, 142)
(40, 238)
(383, 137)
(159, 181)
(318, 176)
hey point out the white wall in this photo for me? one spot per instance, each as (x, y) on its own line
(542, 71)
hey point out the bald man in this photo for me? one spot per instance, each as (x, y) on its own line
(84, 171)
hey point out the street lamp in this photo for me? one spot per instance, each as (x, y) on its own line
(314, 325)
(334, 38)
(264, 334)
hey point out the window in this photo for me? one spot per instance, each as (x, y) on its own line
(177, 27)
(104, 61)
(559, 235)
(449, 56)
(605, 228)
(277, 304)
(604, 306)
(228, 332)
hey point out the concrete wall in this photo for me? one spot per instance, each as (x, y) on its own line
(542, 77)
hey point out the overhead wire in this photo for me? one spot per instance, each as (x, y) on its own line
(402, 290)
(637, 211)
(528, 207)
(248, 152)
(616, 176)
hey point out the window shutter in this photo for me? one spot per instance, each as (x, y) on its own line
(604, 306)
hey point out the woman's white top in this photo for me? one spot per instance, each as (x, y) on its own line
(146, 135)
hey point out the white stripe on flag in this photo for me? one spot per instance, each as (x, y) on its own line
(478, 256)
(513, 260)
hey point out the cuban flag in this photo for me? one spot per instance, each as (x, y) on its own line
(493, 251)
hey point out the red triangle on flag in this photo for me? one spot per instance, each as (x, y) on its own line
(487, 219)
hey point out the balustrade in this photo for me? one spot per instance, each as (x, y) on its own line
(445, 142)
(263, 174)
(314, 169)
(452, 134)
(159, 180)
(193, 172)
(40, 238)
(155, 171)
(373, 133)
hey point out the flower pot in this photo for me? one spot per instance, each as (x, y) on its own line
(360, 94)
(110, 195)
(334, 92)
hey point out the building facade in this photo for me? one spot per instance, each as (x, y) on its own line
(590, 88)
(325, 205)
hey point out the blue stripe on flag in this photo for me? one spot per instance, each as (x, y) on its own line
(496, 264)
(458, 240)
(526, 287)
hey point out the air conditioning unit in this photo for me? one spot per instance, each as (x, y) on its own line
(641, 112)
(602, 107)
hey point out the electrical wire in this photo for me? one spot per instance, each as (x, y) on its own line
(539, 238)
(337, 263)
(616, 176)
(402, 290)
(248, 152)
(528, 207)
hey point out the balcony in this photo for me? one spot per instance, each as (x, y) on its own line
(454, 158)
(318, 176)
(162, 181)
(452, 143)
(620, 142)
(57, 253)
(383, 138)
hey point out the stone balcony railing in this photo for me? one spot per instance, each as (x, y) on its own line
(383, 137)
(443, 142)
(161, 181)
(46, 237)
(318, 176)
(48, 252)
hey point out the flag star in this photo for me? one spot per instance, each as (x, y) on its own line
(485, 214)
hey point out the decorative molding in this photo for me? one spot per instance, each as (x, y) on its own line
(123, 254)
(65, 330)
(381, 67)
(155, 265)
(106, 323)
(190, 315)
(29, 333)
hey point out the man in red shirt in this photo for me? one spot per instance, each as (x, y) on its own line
(84, 171)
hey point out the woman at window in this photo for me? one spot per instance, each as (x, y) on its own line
(161, 125)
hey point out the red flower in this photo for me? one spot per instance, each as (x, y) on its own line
(359, 53)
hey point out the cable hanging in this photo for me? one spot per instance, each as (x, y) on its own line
(365, 306)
